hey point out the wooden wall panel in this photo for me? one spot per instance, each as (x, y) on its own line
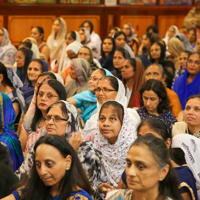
(110, 23)
(165, 21)
(19, 26)
(74, 21)
(1, 21)
(139, 22)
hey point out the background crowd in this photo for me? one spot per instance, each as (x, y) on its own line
(85, 118)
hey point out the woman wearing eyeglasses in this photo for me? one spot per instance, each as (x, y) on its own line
(108, 88)
(87, 100)
(188, 84)
(62, 119)
(49, 92)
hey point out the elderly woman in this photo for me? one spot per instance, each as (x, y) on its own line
(86, 41)
(56, 40)
(188, 84)
(87, 100)
(80, 73)
(154, 102)
(191, 123)
(62, 119)
(7, 51)
(159, 180)
(49, 92)
(56, 172)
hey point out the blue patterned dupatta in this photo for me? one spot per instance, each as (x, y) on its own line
(8, 138)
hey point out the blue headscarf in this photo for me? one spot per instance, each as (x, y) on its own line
(185, 90)
(90, 97)
(107, 62)
(8, 138)
(28, 89)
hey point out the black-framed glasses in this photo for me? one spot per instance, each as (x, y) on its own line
(48, 95)
(54, 118)
(104, 90)
(1, 34)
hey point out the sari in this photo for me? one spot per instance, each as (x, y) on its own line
(82, 70)
(78, 195)
(56, 45)
(114, 155)
(8, 138)
(7, 51)
(185, 90)
(86, 100)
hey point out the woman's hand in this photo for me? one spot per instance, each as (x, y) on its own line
(105, 187)
(76, 140)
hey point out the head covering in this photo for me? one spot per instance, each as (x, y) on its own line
(107, 62)
(72, 119)
(121, 98)
(87, 35)
(28, 89)
(82, 68)
(59, 78)
(114, 155)
(8, 138)
(8, 178)
(65, 61)
(60, 39)
(166, 39)
(34, 47)
(17, 84)
(191, 148)
(28, 57)
(175, 48)
(138, 81)
(185, 90)
(78, 39)
(185, 42)
(5, 48)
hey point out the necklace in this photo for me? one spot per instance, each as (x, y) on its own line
(39, 125)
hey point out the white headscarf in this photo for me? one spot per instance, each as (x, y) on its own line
(121, 98)
(191, 148)
(87, 35)
(65, 61)
(114, 155)
(166, 38)
(34, 47)
(60, 39)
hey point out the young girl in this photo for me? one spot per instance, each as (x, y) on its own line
(115, 134)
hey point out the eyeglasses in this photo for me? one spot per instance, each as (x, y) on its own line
(1, 34)
(93, 79)
(83, 54)
(54, 118)
(48, 96)
(195, 62)
(104, 90)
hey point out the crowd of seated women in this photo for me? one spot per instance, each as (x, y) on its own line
(84, 117)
